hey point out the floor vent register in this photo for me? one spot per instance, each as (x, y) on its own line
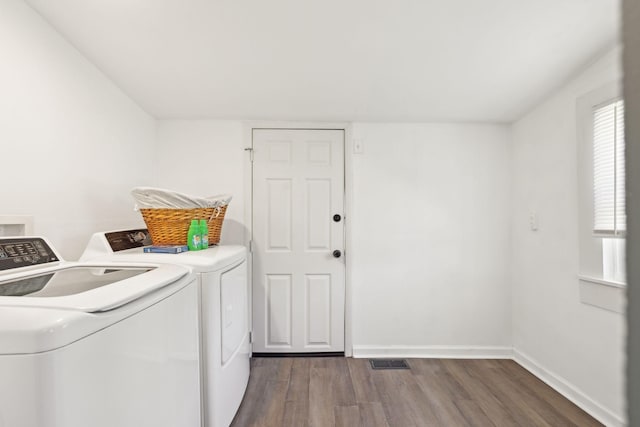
(388, 364)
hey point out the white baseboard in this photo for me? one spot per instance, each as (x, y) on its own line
(434, 351)
(569, 391)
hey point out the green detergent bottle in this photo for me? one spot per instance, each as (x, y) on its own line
(193, 236)
(204, 233)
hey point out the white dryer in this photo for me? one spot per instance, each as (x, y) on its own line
(221, 273)
(86, 344)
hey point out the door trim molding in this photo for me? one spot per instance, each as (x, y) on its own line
(247, 137)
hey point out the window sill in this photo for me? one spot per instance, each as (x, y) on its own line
(603, 282)
(604, 294)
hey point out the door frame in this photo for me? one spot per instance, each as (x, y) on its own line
(247, 138)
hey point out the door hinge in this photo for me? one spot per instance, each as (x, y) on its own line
(250, 246)
(250, 150)
(250, 337)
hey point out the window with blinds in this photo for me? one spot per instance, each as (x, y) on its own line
(608, 170)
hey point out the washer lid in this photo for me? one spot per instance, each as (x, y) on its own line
(50, 323)
(88, 288)
(67, 281)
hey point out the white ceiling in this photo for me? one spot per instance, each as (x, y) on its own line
(337, 60)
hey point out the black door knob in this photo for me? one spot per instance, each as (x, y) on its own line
(337, 254)
(337, 218)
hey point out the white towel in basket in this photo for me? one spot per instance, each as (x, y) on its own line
(159, 198)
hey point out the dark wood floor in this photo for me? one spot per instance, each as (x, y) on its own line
(434, 392)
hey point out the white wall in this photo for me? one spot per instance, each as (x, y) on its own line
(578, 347)
(429, 227)
(430, 240)
(72, 143)
(205, 158)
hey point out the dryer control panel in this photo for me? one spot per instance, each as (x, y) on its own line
(128, 239)
(24, 252)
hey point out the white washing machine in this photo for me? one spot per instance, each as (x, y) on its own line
(221, 273)
(86, 344)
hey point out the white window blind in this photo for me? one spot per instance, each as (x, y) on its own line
(608, 169)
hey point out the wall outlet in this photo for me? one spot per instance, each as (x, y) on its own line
(358, 147)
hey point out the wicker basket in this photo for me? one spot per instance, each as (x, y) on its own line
(170, 226)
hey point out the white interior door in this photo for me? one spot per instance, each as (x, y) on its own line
(298, 275)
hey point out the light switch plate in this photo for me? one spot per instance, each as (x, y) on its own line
(533, 221)
(358, 147)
